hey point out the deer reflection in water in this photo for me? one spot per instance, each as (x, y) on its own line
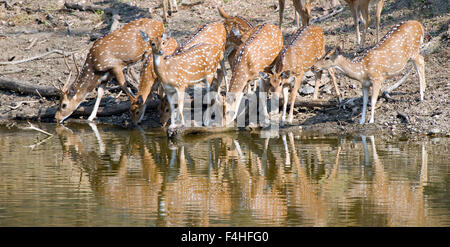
(240, 178)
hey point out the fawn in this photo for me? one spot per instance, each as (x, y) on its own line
(183, 69)
(305, 48)
(147, 84)
(257, 52)
(386, 59)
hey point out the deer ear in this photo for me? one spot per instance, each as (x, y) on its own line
(144, 36)
(285, 74)
(165, 36)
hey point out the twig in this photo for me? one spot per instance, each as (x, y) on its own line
(335, 12)
(40, 142)
(32, 58)
(32, 127)
(20, 103)
(39, 93)
(33, 42)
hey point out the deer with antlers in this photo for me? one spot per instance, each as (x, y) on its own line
(302, 7)
(183, 69)
(257, 52)
(386, 59)
(305, 48)
(106, 58)
(360, 11)
(147, 85)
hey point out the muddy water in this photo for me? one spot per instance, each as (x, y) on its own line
(105, 176)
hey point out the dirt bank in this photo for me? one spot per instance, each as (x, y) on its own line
(30, 28)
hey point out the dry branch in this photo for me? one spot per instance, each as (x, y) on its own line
(335, 12)
(311, 104)
(32, 58)
(32, 127)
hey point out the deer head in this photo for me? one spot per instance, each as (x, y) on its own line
(330, 58)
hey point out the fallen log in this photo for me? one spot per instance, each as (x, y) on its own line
(315, 103)
(27, 88)
(104, 111)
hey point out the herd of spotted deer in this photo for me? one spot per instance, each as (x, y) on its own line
(252, 53)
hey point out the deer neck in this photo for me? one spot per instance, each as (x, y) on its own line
(354, 70)
(157, 64)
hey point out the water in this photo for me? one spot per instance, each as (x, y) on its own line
(106, 176)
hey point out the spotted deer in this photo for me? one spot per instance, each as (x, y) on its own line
(304, 49)
(386, 59)
(214, 34)
(236, 27)
(257, 52)
(169, 7)
(183, 69)
(302, 7)
(360, 11)
(106, 58)
(147, 83)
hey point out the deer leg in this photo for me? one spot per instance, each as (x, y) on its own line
(100, 91)
(365, 99)
(281, 10)
(224, 74)
(174, 6)
(378, 16)
(164, 4)
(285, 101)
(297, 82)
(263, 89)
(318, 76)
(419, 64)
(117, 71)
(376, 85)
(172, 109)
(180, 94)
(366, 21)
(333, 78)
(355, 15)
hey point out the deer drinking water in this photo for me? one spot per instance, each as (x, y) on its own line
(107, 57)
(305, 48)
(257, 52)
(147, 82)
(386, 59)
(183, 69)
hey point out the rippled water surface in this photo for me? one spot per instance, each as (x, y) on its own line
(105, 176)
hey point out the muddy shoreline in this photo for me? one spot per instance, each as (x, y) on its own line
(28, 29)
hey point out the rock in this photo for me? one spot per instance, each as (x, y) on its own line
(434, 131)
(307, 89)
(309, 74)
